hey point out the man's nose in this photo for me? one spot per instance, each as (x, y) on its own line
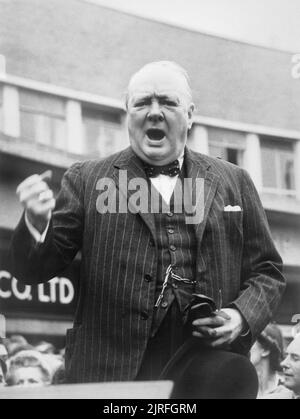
(155, 113)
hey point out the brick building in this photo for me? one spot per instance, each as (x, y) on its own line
(64, 67)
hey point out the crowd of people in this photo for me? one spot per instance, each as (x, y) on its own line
(278, 368)
(24, 364)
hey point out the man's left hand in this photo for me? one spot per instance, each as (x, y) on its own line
(222, 329)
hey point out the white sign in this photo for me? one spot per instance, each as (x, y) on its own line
(57, 291)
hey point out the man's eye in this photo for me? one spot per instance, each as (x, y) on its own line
(170, 103)
(141, 103)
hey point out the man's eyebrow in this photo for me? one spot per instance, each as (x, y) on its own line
(141, 96)
(168, 97)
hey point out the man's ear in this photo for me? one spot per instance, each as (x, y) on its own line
(191, 110)
(265, 353)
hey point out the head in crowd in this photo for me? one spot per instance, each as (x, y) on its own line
(15, 344)
(3, 359)
(54, 362)
(266, 356)
(28, 368)
(59, 376)
(291, 366)
(269, 346)
(45, 347)
(159, 112)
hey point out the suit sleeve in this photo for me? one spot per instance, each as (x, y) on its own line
(262, 282)
(33, 262)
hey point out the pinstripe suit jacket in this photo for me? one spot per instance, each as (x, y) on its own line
(235, 253)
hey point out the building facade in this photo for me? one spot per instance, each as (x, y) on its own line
(64, 67)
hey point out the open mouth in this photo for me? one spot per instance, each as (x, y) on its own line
(155, 134)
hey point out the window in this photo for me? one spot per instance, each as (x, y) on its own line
(229, 145)
(43, 119)
(278, 165)
(102, 132)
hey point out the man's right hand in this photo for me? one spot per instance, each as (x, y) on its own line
(37, 199)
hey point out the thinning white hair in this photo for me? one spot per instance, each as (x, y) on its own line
(171, 65)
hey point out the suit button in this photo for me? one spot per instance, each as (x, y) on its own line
(144, 315)
(148, 278)
(173, 248)
(170, 214)
(164, 304)
(170, 231)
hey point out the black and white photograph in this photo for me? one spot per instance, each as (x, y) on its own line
(149, 202)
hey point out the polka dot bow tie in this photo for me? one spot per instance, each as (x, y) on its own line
(171, 169)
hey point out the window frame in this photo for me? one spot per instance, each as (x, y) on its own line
(237, 142)
(104, 122)
(53, 116)
(278, 169)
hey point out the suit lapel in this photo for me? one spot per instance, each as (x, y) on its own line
(199, 168)
(132, 165)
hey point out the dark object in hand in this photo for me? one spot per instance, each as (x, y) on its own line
(201, 306)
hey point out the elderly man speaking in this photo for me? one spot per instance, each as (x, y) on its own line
(143, 272)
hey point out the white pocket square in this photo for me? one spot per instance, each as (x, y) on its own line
(230, 208)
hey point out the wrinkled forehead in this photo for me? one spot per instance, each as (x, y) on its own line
(159, 81)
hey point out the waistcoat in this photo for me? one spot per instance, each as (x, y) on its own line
(176, 246)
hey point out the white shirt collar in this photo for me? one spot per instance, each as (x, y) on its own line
(166, 184)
